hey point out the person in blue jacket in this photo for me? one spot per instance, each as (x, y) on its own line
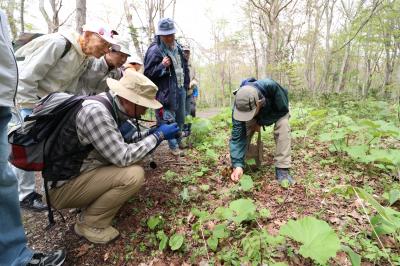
(261, 103)
(166, 66)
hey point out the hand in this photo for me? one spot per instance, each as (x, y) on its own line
(168, 131)
(256, 127)
(166, 61)
(237, 174)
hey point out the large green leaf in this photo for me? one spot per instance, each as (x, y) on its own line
(176, 241)
(357, 152)
(243, 209)
(212, 243)
(220, 231)
(223, 213)
(246, 183)
(320, 242)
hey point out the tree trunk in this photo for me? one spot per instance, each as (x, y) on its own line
(324, 82)
(151, 11)
(132, 30)
(340, 83)
(11, 20)
(21, 13)
(80, 14)
(255, 56)
(173, 9)
(161, 8)
(314, 30)
(54, 23)
(269, 11)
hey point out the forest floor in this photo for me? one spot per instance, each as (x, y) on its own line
(179, 190)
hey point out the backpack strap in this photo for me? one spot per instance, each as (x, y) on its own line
(68, 45)
(105, 102)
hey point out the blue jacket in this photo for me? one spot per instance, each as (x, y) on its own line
(163, 77)
(276, 106)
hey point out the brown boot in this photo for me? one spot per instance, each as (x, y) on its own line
(96, 235)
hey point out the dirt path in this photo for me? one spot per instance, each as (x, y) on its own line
(209, 112)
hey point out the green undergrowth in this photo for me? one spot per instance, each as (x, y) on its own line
(220, 222)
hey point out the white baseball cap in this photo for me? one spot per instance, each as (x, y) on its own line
(123, 46)
(105, 32)
(134, 59)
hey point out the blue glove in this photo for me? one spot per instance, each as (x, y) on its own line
(166, 131)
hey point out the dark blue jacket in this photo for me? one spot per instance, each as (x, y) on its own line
(276, 100)
(163, 77)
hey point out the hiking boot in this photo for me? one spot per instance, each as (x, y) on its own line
(283, 174)
(33, 202)
(178, 152)
(183, 146)
(96, 235)
(54, 258)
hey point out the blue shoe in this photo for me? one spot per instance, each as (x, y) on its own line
(283, 174)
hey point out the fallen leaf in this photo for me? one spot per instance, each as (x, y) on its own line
(106, 256)
(341, 258)
(82, 250)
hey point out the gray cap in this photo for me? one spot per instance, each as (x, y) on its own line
(166, 26)
(246, 99)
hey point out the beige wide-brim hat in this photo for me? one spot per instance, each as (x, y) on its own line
(136, 88)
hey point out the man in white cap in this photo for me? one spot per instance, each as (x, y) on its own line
(53, 63)
(135, 63)
(261, 103)
(93, 80)
(100, 168)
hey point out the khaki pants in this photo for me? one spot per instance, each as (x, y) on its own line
(283, 151)
(101, 192)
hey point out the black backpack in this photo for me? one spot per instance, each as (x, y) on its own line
(30, 140)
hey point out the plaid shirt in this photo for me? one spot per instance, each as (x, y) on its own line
(96, 126)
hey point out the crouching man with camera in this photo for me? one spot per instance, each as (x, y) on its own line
(99, 164)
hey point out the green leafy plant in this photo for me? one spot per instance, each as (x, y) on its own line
(239, 211)
(219, 232)
(320, 242)
(246, 183)
(154, 221)
(176, 241)
(258, 246)
(163, 240)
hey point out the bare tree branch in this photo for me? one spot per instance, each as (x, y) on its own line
(377, 4)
